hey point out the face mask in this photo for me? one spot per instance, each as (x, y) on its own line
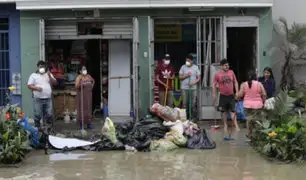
(42, 70)
(188, 63)
(84, 72)
(167, 62)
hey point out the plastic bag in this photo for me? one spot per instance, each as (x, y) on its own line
(269, 103)
(141, 134)
(109, 130)
(105, 144)
(240, 114)
(190, 128)
(34, 135)
(162, 145)
(166, 112)
(176, 137)
(200, 140)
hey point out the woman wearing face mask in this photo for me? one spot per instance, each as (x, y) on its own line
(164, 77)
(267, 80)
(84, 84)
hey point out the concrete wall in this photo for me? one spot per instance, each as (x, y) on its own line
(30, 41)
(9, 10)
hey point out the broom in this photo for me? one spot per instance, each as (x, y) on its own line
(83, 132)
(215, 126)
(166, 93)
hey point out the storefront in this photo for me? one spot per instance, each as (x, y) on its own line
(129, 46)
(9, 52)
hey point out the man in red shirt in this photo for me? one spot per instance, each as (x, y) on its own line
(226, 81)
(163, 72)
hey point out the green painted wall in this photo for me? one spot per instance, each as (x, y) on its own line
(29, 28)
(30, 41)
(265, 38)
(144, 64)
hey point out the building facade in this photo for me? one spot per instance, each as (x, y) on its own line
(138, 33)
(10, 64)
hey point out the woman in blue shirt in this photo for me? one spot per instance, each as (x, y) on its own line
(268, 82)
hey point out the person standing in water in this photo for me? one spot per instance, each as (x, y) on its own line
(268, 82)
(164, 77)
(190, 76)
(254, 95)
(40, 83)
(84, 84)
(226, 81)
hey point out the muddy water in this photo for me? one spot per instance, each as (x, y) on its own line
(230, 161)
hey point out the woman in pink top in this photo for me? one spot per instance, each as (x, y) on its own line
(254, 95)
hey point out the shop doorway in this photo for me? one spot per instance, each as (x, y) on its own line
(107, 61)
(242, 50)
(176, 37)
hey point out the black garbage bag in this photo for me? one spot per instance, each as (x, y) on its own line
(105, 145)
(141, 134)
(200, 140)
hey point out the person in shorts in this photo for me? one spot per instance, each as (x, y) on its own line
(226, 81)
(254, 94)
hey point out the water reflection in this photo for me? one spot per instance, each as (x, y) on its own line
(230, 161)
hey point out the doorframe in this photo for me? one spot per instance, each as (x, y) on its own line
(242, 21)
(135, 69)
(42, 40)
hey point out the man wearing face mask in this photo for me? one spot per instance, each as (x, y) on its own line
(190, 76)
(164, 77)
(40, 84)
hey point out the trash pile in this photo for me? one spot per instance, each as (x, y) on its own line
(162, 133)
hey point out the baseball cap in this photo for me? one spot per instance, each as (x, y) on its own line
(167, 56)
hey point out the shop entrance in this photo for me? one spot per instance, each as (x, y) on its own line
(242, 50)
(107, 48)
(177, 37)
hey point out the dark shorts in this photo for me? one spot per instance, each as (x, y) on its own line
(227, 103)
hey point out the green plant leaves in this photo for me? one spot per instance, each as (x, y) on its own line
(282, 134)
(13, 138)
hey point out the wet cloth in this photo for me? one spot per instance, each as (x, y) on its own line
(87, 101)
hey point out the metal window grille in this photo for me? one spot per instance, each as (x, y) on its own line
(4, 60)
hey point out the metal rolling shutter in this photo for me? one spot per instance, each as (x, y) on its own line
(67, 29)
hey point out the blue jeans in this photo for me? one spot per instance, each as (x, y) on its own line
(42, 110)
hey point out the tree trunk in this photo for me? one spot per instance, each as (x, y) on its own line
(287, 80)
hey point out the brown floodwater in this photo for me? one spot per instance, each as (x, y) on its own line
(229, 161)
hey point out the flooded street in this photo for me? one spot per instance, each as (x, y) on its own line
(230, 161)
